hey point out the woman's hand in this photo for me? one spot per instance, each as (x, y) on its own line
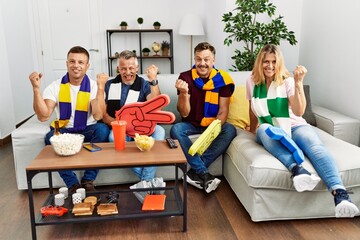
(299, 73)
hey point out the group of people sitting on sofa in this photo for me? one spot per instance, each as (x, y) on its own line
(204, 93)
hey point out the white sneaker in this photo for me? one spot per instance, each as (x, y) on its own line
(210, 182)
(346, 209)
(141, 195)
(158, 182)
(212, 185)
(305, 182)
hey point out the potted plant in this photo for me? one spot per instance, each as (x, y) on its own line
(165, 47)
(157, 25)
(146, 51)
(123, 25)
(243, 27)
(140, 21)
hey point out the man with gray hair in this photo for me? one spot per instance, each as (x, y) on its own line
(128, 87)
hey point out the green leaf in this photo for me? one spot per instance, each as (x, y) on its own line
(242, 27)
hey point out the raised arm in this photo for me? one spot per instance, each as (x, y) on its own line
(298, 100)
(43, 108)
(98, 106)
(183, 103)
(151, 73)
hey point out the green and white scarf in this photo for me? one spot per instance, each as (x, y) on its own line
(271, 106)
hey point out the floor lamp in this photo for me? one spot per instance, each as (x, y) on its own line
(191, 26)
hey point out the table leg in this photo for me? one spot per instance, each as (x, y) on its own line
(29, 176)
(185, 199)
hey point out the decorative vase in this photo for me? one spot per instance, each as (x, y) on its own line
(140, 26)
(123, 27)
(156, 27)
(146, 54)
(165, 52)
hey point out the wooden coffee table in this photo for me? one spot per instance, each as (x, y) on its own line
(108, 157)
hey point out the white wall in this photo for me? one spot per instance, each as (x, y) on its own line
(7, 117)
(330, 50)
(18, 62)
(292, 13)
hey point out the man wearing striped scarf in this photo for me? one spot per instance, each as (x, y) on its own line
(79, 103)
(203, 95)
(127, 88)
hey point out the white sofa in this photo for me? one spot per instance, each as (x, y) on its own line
(259, 180)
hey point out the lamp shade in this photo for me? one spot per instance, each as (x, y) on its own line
(191, 25)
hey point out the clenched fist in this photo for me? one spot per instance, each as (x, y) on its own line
(182, 86)
(101, 79)
(299, 73)
(35, 79)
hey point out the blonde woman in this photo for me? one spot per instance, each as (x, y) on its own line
(278, 100)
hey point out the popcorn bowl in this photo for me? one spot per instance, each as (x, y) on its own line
(67, 144)
(143, 142)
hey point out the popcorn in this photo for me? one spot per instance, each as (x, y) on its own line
(67, 144)
(143, 142)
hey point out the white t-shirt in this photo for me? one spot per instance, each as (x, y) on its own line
(290, 91)
(52, 92)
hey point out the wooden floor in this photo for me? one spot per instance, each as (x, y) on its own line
(218, 215)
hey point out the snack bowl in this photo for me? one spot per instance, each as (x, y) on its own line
(143, 142)
(67, 144)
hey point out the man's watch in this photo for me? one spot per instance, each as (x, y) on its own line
(154, 82)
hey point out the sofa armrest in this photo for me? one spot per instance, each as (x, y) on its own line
(337, 124)
(27, 142)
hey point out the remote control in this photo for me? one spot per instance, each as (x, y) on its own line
(171, 143)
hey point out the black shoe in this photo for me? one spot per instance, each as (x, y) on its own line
(210, 182)
(88, 185)
(73, 188)
(194, 179)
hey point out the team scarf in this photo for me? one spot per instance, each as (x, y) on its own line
(82, 104)
(271, 106)
(217, 79)
(114, 96)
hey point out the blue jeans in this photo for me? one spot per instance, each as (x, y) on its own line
(94, 133)
(144, 173)
(309, 142)
(200, 164)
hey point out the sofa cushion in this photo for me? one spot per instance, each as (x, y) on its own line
(239, 108)
(308, 115)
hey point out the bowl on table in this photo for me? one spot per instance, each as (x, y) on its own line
(67, 144)
(143, 142)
